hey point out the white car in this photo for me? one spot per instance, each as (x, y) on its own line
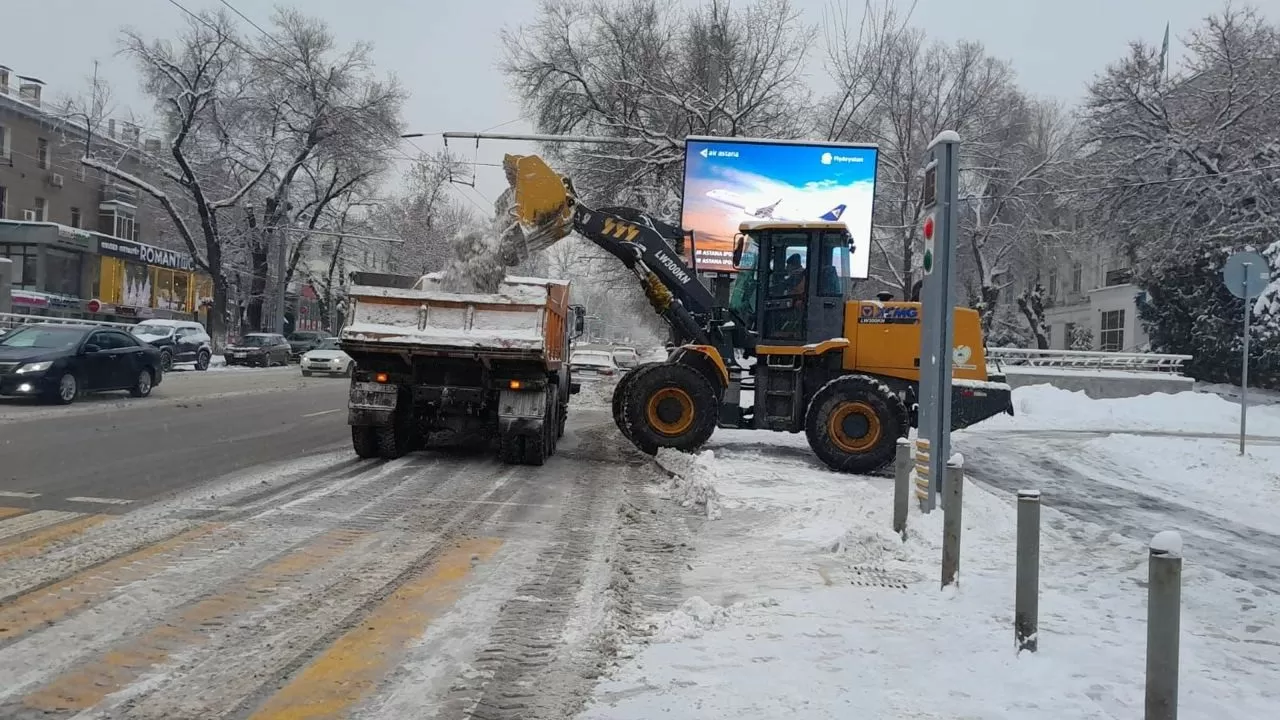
(327, 359)
(589, 364)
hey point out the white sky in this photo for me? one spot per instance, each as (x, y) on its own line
(446, 52)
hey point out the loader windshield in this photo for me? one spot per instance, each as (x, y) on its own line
(742, 292)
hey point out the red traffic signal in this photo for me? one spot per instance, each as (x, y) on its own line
(928, 227)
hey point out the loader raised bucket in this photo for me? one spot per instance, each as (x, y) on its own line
(538, 205)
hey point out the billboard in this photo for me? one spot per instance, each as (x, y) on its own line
(731, 180)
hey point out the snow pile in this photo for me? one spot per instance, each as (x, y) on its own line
(695, 616)
(1044, 407)
(803, 602)
(693, 479)
(596, 392)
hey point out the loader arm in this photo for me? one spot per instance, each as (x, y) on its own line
(546, 209)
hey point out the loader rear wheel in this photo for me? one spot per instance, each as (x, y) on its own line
(854, 422)
(619, 392)
(669, 406)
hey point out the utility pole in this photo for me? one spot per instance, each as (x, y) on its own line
(282, 244)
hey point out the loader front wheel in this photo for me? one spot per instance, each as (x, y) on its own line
(669, 406)
(854, 422)
(620, 391)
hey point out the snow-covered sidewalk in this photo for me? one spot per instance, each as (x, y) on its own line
(801, 601)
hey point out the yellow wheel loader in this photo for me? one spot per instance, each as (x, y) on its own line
(791, 352)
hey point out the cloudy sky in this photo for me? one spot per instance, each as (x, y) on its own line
(447, 52)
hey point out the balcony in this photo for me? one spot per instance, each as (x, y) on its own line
(118, 195)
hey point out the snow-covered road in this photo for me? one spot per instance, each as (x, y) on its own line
(434, 586)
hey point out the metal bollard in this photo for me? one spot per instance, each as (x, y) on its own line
(1026, 602)
(1164, 621)
(902, 464)
(951, 510)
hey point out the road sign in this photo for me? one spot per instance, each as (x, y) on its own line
(1246, 274)
(94, 305)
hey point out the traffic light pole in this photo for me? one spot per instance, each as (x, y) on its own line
(940, 195)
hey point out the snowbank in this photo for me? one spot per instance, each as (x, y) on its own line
(801, 602)
(693, 479)
(1044, 407)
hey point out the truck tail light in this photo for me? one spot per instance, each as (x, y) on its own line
(381, 377)
(515, 384)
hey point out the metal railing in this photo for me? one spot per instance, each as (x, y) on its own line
(13, 320)
(1087, 359)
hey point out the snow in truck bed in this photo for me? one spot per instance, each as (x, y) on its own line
(521, 327)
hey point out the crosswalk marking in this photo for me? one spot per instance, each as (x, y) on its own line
(16, 494)
(100, 501)
(34, 521)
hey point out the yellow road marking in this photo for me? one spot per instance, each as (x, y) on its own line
(345, 673)
(47, 606)
(39, 542)
(86, 686)
(11, 511)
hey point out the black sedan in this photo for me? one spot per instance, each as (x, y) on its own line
(62, 362)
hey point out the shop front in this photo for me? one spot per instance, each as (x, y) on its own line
(54, 267)
(138, 281)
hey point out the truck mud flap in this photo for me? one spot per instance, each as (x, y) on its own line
(971, 403)
(522, 411)
(371, 403)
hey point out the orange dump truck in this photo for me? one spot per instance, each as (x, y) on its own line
(474, 369)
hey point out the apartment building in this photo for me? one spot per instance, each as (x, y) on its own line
(74, 234)
(1092, 291)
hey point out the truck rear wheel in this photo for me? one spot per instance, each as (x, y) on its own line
(364, 441)
(394, 440)
(670, 406)
(854, 422)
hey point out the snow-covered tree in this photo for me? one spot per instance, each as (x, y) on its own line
(191, 80)
(656, 72)
(320, 118)
(425, 214)
(1187, 165)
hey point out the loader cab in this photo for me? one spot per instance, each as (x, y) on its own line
(792, 280)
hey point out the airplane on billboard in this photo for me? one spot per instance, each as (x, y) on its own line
(767, 212)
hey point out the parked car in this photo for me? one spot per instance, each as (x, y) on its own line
(300, 341)
(589, 364)
(626, 357)
(326, 358)
(60, 363)
(180, 341)
(263, 349)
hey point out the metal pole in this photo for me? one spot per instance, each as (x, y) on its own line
(1164, 598)
(951, 521)
(543, 138)
(283, 241)
(902, 486)
(1244, 370)
(1026, 603)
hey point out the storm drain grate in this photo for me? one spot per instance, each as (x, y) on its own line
(875, 577)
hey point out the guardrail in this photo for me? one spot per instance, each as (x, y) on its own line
(12, 320)
(1087, 359)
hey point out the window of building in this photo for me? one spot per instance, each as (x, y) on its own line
(4, 203)
(1077, 277)
(62, 271)
(1111, 337)
(42, 209)
(4, 142)
(1053, 285)
(75, 217)
(42, 153)
(1117, 276)
(24, 264)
